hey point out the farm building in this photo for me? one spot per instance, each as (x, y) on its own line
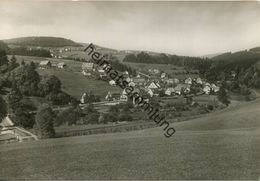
(6, 125)
(45, 64)
(7, 122)
(61, 65)
(123, 96)
(113, 96)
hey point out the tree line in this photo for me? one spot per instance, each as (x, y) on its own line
(201, 64)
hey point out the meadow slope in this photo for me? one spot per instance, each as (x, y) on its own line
(222, 145)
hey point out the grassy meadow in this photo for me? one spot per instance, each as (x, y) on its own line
(73, 81)
(76, 84)
(221, 145)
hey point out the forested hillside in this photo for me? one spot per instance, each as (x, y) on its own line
(242, 64)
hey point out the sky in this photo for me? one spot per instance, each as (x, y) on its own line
(182, 28)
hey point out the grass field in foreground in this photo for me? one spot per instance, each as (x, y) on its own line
(224, 145)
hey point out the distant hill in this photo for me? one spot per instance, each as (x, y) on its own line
(42, 42)
(256, 49)
(211, 55)
(238, 57)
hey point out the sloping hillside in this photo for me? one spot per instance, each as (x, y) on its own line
(256, 49)
(42, 42)
(239, 117)
(224, 145)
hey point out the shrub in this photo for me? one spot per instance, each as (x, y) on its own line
(125, 117)
(44, 122)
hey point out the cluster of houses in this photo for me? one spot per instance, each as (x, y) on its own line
(46, 64)
(163, 86)
(61, 52)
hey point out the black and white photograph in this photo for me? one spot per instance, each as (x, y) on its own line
(129, 90)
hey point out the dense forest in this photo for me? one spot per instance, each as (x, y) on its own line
(243, 64)
(201, 64)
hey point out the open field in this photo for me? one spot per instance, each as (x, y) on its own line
(73, 82)
(76, 84)
(176, 71)
(74, 66)
(222, 145)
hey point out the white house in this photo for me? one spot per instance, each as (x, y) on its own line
(156, 71)
(153, 85)
(61, 65)
(198, 80)
(169, 81)
(44, 64)
(176, 81)
(206, 89)
(128, 79)
(82, 100)
(112, 82)
(188, 81)
(6, 125)
(131, 83)
(7, 122)
(149, 91)
(214, 88)
(169, 91)
(113, 96)
(86, 73)
(163, 75)
(123, 96)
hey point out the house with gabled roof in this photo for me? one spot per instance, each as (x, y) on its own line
(61, 65)
(169, 91)
(45, 64)
(7, 122)
(154, 85)
(188, 81)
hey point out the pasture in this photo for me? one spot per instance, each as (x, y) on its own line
(76, 84)
(175, 71)
(221, 145)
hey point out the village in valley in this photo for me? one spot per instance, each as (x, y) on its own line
(180, 92)
(151, 90)
(154, 82)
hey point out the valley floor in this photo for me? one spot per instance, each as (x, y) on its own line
(221, 145)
